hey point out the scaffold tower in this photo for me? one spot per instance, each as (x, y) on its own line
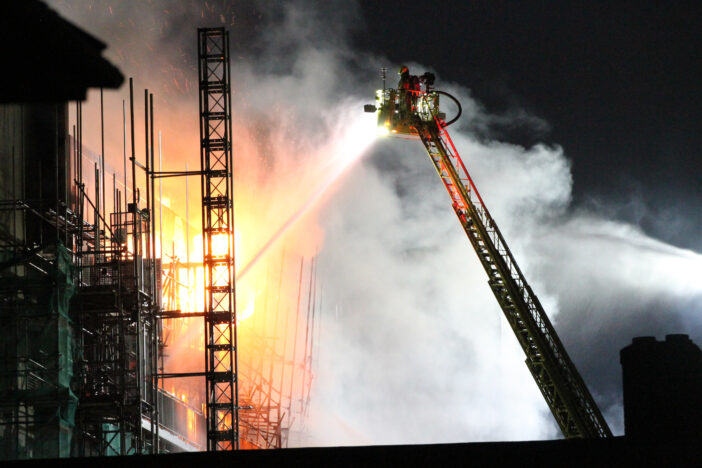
(218, 240)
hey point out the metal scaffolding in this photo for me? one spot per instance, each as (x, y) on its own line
(117, 306)
(252, 405)
(81, 320)
(80, 327)
(277, 350)
(218, 240)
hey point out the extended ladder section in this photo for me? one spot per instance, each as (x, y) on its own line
(554, 372)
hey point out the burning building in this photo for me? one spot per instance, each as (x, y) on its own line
(102, 321)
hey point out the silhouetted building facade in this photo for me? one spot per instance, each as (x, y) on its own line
(662, 388)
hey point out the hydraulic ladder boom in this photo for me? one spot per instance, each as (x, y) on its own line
(555, 374)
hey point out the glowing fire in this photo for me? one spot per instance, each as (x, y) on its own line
(275, 193)
(220, 245)
(249, 309)
(274, 233)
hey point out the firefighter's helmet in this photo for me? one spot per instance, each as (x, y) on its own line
(403, 70)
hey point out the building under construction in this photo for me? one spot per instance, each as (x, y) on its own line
(89, 305)
(93, 320)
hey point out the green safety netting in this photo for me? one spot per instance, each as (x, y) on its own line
(45, 357)
(64, 289)
(59, 344)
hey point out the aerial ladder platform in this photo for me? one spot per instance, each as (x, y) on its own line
(413, 110)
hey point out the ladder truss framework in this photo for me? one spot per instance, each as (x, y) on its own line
(218, 240)
(556, 376)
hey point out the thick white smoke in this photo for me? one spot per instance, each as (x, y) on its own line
(413, 345)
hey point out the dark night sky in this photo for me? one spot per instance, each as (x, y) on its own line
(618, 82)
